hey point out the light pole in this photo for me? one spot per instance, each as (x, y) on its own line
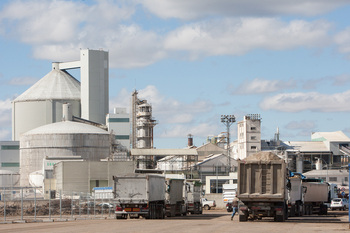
(228, 120)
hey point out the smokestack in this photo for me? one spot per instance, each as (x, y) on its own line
(190, 140)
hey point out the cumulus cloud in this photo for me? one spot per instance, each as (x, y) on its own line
(106, 24)
(342, 39)
(313, 101)
(173, 111)
(194, 9)
(238, 36)
(261, 86)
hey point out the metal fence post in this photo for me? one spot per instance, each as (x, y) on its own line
(88, 206)
(61, 204)
(94, 206)
(72, 205)
(21, 203)
(102, 207)
(34, 204)
(4, 196)
(79, 205)
(50, 201)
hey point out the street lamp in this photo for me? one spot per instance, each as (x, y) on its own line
(319, 161)
(228, 120)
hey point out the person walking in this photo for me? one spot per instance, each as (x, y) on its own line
(234, 207)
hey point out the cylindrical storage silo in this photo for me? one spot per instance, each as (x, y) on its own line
(42, 103)
(61, 139)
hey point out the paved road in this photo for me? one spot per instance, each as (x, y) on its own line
(210, 221)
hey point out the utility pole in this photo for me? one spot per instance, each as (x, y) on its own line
(228, 120)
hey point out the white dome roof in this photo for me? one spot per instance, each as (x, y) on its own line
(57, 84)
(67, 127)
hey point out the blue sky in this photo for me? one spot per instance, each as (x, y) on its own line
(193, 60)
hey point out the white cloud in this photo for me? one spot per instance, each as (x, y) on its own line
(122, 100)
(184, 9)
(313, 101)
(235, 37)
(261, 86)
(105, 24)
(342, 39)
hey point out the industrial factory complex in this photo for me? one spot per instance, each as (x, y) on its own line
(65, 138)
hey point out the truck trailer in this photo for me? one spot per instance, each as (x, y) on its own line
(175, 204)
(193, 189)
(228, 194)
(138, 195)
(261, 187)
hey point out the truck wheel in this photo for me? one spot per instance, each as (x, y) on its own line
(118, 217)
(243, 218)
(207, 207)
(279, 218)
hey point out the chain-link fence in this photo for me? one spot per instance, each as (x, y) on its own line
(28, 205)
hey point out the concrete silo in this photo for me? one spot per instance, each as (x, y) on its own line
(64, 139)
(42, 103)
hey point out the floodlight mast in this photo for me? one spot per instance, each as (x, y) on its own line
(228, 120)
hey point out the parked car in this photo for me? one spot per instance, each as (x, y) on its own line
(339, 203)
(106, 205)
(207, 205)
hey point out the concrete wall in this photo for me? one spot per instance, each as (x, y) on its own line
(77, 175)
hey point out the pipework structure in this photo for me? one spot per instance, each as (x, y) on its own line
(142, 123)
(228, 120)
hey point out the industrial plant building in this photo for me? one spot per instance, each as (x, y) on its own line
(64, 138)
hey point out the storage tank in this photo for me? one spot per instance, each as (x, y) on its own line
(9, 178)
(65, 138)
(42, 103)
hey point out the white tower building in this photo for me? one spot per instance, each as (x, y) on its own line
(249, 135)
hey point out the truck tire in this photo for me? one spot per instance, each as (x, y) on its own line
(243, 218)
(207, 207)
(279, 218)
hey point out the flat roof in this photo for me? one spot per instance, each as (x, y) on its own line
(163, 152)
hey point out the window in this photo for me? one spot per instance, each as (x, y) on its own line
(333, 179)
(253, 147)
(253, 137)
(9, 147)
(9, 164)
(346, 178)
(252, 128)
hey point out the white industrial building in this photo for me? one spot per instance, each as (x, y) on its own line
(249, 136)
(118, 123)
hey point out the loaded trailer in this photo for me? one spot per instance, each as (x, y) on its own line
(193, 189)
(138, 195)
(175, 204)
(261, 187)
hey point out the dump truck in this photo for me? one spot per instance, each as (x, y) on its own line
(174, 197)
(316, 196)
(193, 189)
(138, 195)
(228, 194)
(261, 187)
